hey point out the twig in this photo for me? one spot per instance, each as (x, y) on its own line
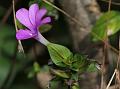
(20, 47)
(118, 55)
(105, 51)
(109, 6)
(102, 74)
(114, 3)
(118, 60)
(111, 79)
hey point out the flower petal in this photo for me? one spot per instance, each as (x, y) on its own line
(40, 15)
(32, 13)
(24, 34)
(22, 16)
(46, 20)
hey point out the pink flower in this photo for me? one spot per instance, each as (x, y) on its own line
(32, 19)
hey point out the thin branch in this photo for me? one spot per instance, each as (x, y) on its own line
(118, 55)
(111, 79)
(102, 79)
(20, 47)
(109, 6)
(118, 60)
(114, 3)
(105, 51)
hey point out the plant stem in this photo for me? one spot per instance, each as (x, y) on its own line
(42, 40)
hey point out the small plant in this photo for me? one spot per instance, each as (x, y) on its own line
(69, 66)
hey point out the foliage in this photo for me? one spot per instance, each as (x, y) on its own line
(110, 22)
(71, 66)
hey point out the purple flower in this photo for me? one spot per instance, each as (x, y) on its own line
(32, 19)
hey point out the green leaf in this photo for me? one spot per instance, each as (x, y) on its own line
(31, 74)
(34, 70)
(75, 86)
(36, 67)
(54, 84)
(92, 67)
(59, 54)
(75, 76)
(20, 26)
(79, 63)
(60, 73)
(109, 21)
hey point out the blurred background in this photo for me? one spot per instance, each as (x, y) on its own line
(17, 68)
